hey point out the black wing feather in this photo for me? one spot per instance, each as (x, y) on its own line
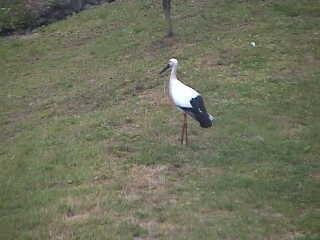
(199, 112)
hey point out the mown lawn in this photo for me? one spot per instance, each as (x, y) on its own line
(89, 141)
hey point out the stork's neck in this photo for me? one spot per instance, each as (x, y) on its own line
(173, 75)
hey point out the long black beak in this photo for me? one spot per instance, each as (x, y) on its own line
(164, 69)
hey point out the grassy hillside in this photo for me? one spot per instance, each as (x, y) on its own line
(89, 142)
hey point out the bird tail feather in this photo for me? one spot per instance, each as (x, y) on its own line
(205, 119)
(200, 112)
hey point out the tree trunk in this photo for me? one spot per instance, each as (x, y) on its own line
(166, 4)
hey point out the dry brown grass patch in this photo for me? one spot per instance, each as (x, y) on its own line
(143, 179)
(80, 209)
(289, 127)
(155, 97)
(209, 61)
(316, 176)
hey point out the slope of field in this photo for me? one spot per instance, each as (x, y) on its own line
(89, 142)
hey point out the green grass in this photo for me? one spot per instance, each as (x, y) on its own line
(89, 142)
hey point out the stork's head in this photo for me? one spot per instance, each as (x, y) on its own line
(172, 63)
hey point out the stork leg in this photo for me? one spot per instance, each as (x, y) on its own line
(183, 129)
(186, 127)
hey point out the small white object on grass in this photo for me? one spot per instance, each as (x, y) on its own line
(253, 44)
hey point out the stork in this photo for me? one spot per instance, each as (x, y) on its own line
(187, 100)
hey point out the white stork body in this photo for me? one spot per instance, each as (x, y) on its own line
(187, 100)
(180, 93)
